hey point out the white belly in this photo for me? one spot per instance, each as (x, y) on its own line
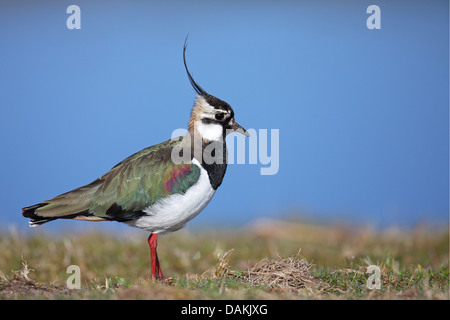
(172, 213)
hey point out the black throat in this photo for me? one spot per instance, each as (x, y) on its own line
(214, 161)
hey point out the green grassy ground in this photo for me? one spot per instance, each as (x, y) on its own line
(268, 260)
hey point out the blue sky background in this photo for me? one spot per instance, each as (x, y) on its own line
(362, 114)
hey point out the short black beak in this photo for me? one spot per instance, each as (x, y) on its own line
(238, 128)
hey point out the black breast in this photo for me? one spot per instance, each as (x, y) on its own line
(214, 161)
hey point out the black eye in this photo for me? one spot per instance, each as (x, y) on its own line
(219, 116)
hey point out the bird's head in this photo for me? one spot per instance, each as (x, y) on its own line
(211, 117)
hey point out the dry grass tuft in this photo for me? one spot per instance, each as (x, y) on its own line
(222, 268)
(284, 273)
(22, 286)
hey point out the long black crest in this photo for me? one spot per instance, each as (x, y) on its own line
(196, 87)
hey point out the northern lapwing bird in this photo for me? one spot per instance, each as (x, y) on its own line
(152, 189)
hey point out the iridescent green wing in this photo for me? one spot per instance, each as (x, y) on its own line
(121, 194)
(141, 180)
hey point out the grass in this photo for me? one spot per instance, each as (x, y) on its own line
(268, 260)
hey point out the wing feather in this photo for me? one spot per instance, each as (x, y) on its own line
(122, 193)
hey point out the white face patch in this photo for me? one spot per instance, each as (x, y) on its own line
(210, 128)
(210, 131)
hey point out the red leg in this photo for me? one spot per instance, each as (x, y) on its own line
(156, 269)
